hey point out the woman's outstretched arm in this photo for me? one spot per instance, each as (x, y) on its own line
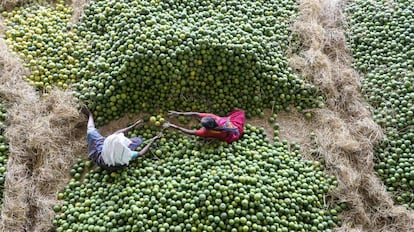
(147, 147)
(126, 129)
(187, 131)
(173, 113)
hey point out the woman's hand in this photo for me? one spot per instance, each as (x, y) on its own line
(166, 125)
(158, 136)
(137, 123)
(173, 113)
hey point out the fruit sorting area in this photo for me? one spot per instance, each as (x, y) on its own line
(317, 153)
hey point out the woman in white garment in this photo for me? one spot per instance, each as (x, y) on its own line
(115, 151)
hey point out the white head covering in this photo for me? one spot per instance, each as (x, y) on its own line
(115, 150)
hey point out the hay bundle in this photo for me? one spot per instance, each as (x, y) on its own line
(56, 141)
(17, 183)
(10, 4)
(78, 7)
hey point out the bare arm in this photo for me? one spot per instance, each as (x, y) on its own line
(187, 131)
(173, 113)
(147, 147)
(128, 128)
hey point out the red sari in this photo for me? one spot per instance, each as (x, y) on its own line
(234, 123)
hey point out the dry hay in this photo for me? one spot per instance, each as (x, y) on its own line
(15, 207)
(78, 9)
(46, 134)
(345, 131)
(10, 4)
(294, 128)
(58, 137)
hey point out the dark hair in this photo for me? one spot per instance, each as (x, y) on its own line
(209, 123)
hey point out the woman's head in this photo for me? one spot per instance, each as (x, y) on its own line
(209, 123)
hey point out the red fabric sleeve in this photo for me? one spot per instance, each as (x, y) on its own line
(201, 132)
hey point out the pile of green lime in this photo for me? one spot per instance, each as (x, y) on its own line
(44, 37)
(189, 55)
(139, 56)
(197, 185)
(382, 42)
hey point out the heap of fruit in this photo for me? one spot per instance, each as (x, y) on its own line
(382, 41)
(138, 56)
(249, 185)
(157, 120)
(44, 38)
(4, 150)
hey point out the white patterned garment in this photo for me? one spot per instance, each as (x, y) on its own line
(115, 150)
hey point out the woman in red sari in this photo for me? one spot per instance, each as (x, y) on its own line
(228, 129)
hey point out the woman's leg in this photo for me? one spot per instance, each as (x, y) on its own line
(91, 122)
(88, 113)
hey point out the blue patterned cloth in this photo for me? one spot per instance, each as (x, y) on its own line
(95, 143)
